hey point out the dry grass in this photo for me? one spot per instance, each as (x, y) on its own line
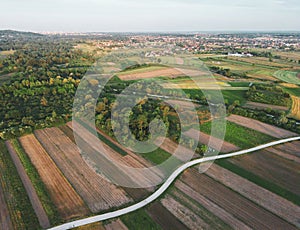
(289, 85)
(295, 111)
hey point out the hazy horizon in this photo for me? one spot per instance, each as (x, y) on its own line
(155, 16)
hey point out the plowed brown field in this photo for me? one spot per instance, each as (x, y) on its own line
(269, 166)
(67, 201)
(250, 213)
(97, 192)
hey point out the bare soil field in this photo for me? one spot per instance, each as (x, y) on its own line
(135, 193)
(284, 154)
(165, 72)
(34, 199)
(292, 148)
(261, 127)
(185, 215)
(212, 207)
(295, 111)
(269, 166)
(270, 201)
(213, 142)
(209, 218)
(183, 153)
(5, 221)
(116, 225)
(250, 213)
(164, 218)
(131, 160)
(97, 192)
(256, 105)
(67, 201)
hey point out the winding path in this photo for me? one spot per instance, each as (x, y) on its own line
(164, 187)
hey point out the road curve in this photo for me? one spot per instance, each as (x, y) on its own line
(164, 187)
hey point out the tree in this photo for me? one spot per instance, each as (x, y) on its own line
(44, 101)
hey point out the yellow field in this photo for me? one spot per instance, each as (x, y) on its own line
(7, 52)
(204, 83)
(295, 112)
(289, 85)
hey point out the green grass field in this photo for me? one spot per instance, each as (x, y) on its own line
(239, 136)
(157, 156)
(288, 76)
(139, 220)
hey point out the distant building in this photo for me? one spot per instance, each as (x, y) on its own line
(240, 55)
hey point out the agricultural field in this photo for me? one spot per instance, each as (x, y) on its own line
(260, 126)
(50, 175)
(32, 194)
(16, 209)
(211, 141)
(246, 137)
(96, 191)
(256, 105)
(288, 76)
(68, 202)
(295, 111)
(155, 72)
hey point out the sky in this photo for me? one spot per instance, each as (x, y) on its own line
(149, 15)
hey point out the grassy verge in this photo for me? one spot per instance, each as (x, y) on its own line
(39, 186)
(240, 136)
(260, 181)
(139, 220)
(158, 156)
(17, 200)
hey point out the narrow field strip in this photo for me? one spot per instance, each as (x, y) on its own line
(34, 199)
(261, 127)
(5, 221)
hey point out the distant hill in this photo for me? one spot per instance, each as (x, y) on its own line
(14, 33)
